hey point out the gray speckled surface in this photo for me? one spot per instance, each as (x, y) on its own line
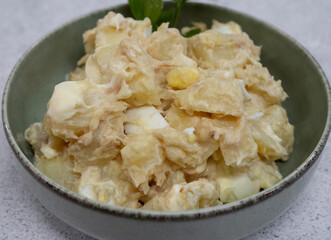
(24, 22)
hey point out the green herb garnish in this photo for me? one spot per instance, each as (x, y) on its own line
(146, 8)
(180, 4)
(153, 9)
(192, 32)
(166, 16)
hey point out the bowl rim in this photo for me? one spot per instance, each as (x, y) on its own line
(166, 215)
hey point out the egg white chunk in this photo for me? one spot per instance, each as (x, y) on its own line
(144, 120)
(226, 28)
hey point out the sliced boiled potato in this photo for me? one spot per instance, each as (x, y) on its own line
(59, 169)
(276, 117)
(142, 155)
(213, 96)
(197, 194)
(238, 183)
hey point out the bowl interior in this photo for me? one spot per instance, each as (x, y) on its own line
(53, 57)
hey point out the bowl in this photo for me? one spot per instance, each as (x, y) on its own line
(31, 83)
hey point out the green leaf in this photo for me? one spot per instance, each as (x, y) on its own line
(166, 16)
(146, 8)
(178, 9)
(153, 9)
(137, 9)
(180, 1)
(192, 32)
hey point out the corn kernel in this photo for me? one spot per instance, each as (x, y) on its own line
(182, 77)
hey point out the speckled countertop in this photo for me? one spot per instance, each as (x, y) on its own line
(24, 22)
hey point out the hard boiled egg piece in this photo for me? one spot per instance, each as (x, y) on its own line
(144, 120)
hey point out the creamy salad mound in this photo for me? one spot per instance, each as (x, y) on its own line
(161, 122)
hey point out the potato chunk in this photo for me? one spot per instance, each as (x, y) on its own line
(239, 152)
(259, 80)
(142, 159)
(190, 155)
(59, 169)
(114, 27)
(102, 144)
(193, 195)
(277, 118)
(128, 68)
(180, 120)
(108, 185)
(239, 183)
(171, 47)
(213, 96)
(214, 50)
(77, 107)
(269, 144)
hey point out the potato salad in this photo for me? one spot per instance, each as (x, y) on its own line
(156, 121)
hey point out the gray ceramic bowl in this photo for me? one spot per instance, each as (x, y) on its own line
(30, 86)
